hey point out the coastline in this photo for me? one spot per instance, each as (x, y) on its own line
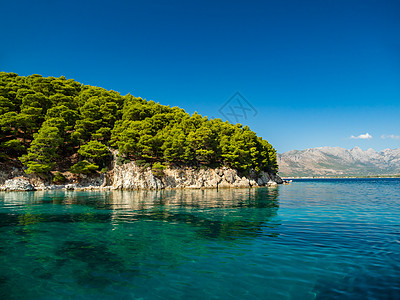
(343, 177)
(132, 177)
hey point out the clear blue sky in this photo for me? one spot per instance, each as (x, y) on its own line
(316, 72)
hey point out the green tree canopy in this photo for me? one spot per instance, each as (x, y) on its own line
(44, 120)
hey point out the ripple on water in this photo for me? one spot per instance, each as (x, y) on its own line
(331, 239)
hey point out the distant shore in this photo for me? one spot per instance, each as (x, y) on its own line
(339, 177)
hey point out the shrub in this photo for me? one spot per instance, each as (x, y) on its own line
(59, 178)
(38, 168)
(140, 162)
(13, 146)
(83, 167)
(158, 169)
(94, 150)
(122, 160)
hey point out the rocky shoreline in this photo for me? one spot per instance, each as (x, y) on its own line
(132, 177)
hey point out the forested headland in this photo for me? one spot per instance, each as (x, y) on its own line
(53, 125)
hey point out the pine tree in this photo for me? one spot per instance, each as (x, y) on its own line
(43, 150)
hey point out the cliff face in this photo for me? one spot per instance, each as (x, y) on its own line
(131, 177)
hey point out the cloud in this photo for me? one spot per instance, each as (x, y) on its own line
(390, 136)
(366, 136)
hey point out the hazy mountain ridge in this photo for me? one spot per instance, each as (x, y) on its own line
(336, 161)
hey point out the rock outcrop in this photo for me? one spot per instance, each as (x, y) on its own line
(17, 184)
(132, 177)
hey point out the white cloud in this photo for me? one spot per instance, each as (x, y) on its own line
(390, 136)
(366, 136)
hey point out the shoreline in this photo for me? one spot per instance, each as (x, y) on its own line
(132, 177)
(343, 177)
(111, 188)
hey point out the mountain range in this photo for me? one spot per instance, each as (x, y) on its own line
(336, 161)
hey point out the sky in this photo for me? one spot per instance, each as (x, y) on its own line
(301, 74)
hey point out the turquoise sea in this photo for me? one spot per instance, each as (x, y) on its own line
(312, 239)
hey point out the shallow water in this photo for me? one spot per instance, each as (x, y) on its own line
(313, 239)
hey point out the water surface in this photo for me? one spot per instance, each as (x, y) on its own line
(313, 239)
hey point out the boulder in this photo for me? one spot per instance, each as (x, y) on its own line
(71, 186)
(230, 175)
(18, 184)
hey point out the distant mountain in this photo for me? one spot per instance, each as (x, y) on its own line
(336, 161)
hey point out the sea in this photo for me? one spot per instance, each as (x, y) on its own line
(312, 239)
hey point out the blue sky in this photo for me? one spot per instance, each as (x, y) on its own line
(315, 72)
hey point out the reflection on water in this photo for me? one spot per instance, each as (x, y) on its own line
(197, 208)
(140, 200)
(75, 241)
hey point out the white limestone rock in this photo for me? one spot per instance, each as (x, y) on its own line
(18, 184)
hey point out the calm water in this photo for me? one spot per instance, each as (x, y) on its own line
(313, 239)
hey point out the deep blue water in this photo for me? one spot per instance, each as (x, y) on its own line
(313, 239)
